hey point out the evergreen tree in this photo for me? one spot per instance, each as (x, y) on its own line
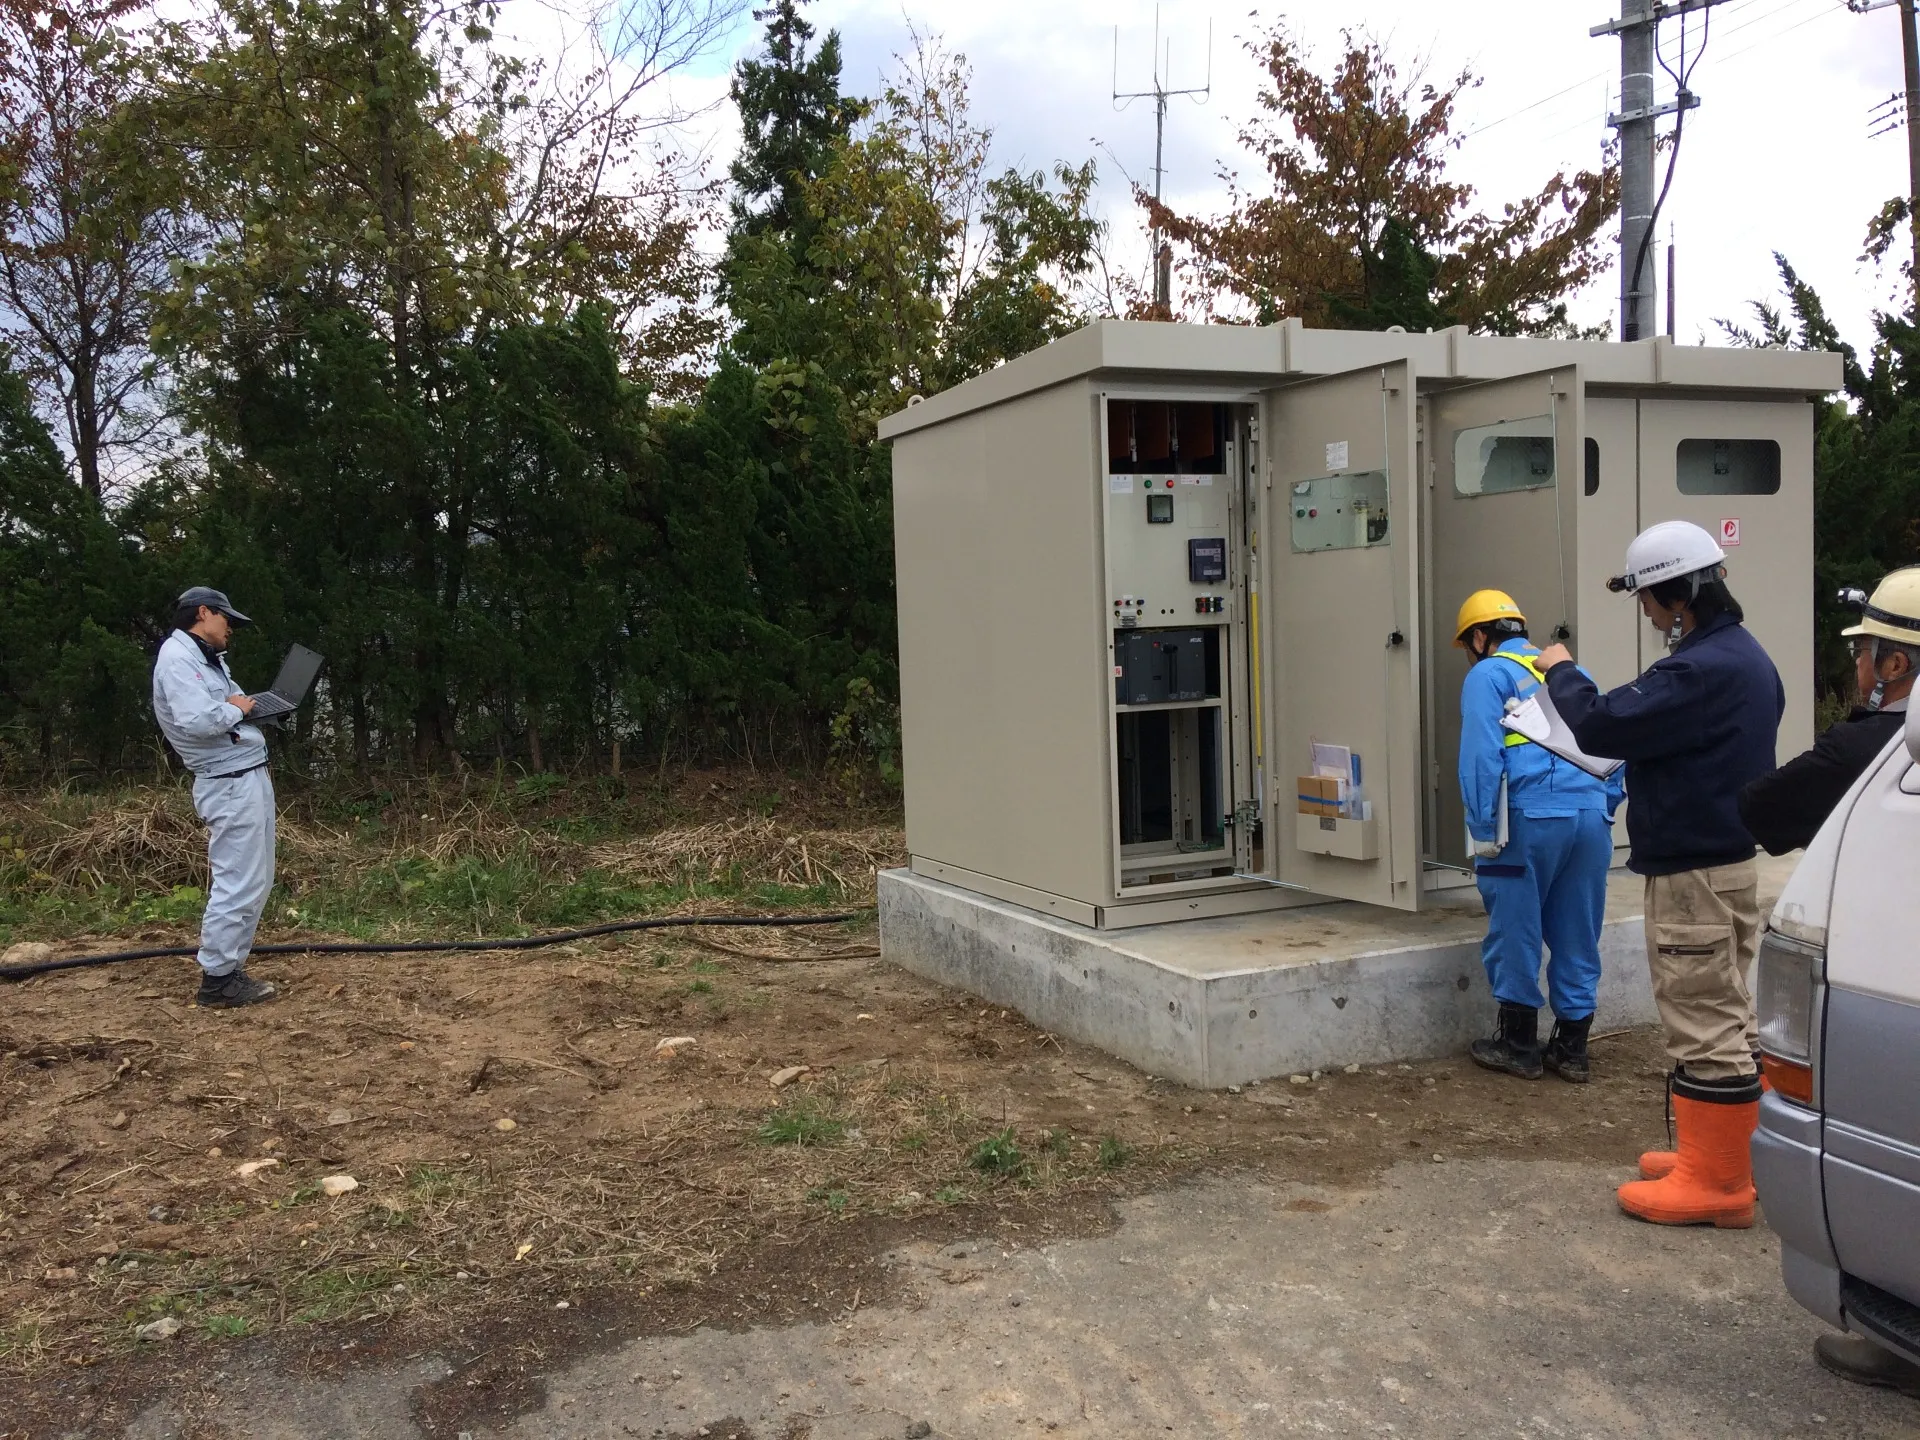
(793, 121)
(1866, 458)
(791, 115)
(1401, 276)
(73, 668)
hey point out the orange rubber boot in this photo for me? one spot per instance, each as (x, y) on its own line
(1711, 1182)
(1657, 1164)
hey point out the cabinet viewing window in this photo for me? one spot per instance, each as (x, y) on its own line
(1340, 512)
(1728, 467)
(1504, 456)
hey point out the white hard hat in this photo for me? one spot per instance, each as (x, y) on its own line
(1668, 551)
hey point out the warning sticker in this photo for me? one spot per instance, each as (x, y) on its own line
(1337, 455)
(1729, 532)
(1119, 484)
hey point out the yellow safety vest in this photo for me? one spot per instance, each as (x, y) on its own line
(1528, 664)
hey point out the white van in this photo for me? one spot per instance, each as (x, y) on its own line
(1837, 1156)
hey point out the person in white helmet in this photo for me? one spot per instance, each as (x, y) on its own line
(1694, 729)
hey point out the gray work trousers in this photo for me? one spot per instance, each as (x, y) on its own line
(238, 811)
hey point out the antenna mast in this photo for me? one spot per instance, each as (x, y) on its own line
(1160, 94)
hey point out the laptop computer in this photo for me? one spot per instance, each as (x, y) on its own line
(290, 686)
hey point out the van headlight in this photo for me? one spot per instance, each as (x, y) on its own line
(1789, 999)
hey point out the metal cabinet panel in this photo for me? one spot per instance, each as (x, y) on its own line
(1519, 537)
(1004, 676)
(1342, 633)
(1767, 536)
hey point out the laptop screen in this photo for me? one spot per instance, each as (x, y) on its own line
(296, 674)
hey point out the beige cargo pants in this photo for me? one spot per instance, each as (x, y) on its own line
(1703, 927)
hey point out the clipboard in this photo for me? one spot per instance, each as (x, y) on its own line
(1502, 831)
(1535, 718)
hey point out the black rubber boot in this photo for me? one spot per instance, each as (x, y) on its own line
(1855, 1358)
(1566, 1052)
(1515, 1046)
(232, 990)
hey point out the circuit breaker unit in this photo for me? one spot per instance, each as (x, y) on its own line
(1176, 601)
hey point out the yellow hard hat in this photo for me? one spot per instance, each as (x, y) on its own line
(1892, 612)
(1481, 607)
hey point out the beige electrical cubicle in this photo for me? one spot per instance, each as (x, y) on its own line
(1144, 571)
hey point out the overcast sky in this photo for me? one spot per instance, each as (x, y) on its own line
(1777, 157)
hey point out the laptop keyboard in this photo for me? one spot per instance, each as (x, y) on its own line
(268, 705)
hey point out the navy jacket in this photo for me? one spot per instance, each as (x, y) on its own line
(1786, 809)
(1693, 729)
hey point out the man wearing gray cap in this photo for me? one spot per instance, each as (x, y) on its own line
(203, 714)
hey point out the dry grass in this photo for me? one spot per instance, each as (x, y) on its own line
(759, 851)
(147, 841)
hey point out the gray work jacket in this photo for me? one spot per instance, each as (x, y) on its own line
(210, 736)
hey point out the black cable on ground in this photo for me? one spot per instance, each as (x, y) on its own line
(398, 947)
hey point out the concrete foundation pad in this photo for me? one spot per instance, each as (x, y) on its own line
(1223, 1001)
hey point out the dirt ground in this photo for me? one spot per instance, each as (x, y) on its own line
(521, 1144)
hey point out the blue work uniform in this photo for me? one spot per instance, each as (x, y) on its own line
(1548, 885)
(232, 792)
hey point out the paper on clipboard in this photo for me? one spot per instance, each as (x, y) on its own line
(1535, 718)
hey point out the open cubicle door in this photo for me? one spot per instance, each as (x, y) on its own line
(1344, 638)
(1506, 464)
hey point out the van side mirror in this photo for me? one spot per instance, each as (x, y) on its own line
(1913, 733)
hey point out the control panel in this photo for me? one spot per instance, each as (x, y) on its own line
(1153, 667)
(1168, 494)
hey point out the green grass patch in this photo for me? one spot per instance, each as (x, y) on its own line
(800, 1123)
(394, 879)
(407, 898)
(431, 1183)
(950, 1194)
(339, 1294)
(1000, 1156)
(833, 1195)
(227, 1327)
(1113, 1154)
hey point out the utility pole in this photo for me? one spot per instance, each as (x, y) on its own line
(1159, 94)
(1639, 30)
(1910, 53)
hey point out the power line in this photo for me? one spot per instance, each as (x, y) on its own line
(1535, 105)
(1586, 80)
(1784, 30)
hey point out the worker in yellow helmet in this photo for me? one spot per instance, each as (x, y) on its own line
(1541, 831)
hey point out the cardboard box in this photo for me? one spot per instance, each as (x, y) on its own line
(1318, 794)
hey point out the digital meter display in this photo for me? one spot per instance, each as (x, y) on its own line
(1206, 561)
(1160, 509)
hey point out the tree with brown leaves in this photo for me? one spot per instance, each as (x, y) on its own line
(1361, 226)
(85, 240)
